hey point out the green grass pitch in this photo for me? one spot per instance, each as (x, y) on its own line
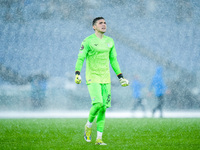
(119, 134)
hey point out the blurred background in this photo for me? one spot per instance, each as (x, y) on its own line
(40, 42)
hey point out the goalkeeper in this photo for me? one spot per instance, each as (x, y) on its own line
(98, 50)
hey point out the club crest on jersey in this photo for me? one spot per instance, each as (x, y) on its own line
(109, 45)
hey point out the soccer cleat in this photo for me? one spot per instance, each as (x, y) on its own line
(100, 142)
(87, 134)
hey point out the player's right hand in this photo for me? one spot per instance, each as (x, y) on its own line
(124, 82)
(77, 79)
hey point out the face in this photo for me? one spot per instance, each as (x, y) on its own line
(100, 26)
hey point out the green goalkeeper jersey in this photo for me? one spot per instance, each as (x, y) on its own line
(98, 52)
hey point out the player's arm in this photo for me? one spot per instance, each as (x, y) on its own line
(115, 65)
(79, 63)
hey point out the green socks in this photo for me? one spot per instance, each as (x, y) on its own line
(100, 110)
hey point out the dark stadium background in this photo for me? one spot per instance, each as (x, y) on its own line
(45, 36)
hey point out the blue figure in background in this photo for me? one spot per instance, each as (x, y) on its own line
(160, 89)
(136, 88)
(38, 90)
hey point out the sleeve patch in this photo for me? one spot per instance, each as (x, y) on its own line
(82, 47)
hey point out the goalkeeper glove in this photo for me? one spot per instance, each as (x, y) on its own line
(122, 80)
(77, 77)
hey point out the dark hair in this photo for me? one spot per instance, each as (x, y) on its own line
(96, 19)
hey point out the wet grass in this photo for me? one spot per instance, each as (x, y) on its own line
(119, 134)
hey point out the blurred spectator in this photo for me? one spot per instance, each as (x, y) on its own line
(136, 89)
(38, 90)
(160, 89)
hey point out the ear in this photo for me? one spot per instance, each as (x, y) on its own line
(94, 27)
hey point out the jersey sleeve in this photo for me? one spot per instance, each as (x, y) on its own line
(113, 60)
(82, 55)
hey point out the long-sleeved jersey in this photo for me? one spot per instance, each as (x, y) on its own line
(98, 52)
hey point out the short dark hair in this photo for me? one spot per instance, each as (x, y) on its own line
(96, 19)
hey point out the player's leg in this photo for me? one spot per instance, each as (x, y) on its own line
(154, 110)
(88, 127)
(100, 125)
(101, 120)
(160, 105)
(142, 105)
(106, 94)
(135, 104)
(97, 103)
(94, 111)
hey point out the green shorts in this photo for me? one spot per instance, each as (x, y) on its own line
(100, 93)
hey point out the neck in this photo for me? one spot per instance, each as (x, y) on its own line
(99, 35)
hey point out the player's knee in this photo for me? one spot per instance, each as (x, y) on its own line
(98, 105)
(103, 108)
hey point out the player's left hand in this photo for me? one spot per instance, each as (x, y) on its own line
(124, 82)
